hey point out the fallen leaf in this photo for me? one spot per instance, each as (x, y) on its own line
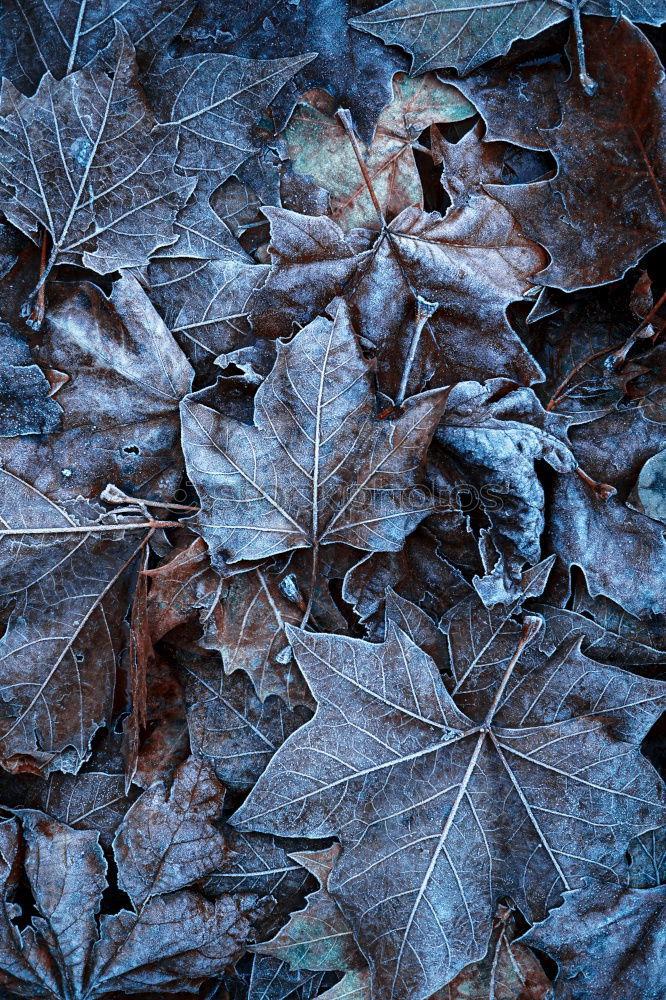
(384, 746)
(106, 191)
(622, 121)
(62, 37)
(607, 941)
(230, 727)
(173, 939)
(213, 103)
(410, 290)
(319, 147)
(286, 482)
(440, 35)
(120, 406)
(351, 66)
(66, 579)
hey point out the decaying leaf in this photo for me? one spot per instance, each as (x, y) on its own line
(213, 103)
(173, 937)
(623, 183)
(230, 727)
(439, 35)
(63, 569)
(58, 38)
(608, 943)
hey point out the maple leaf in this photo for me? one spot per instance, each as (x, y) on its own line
(317, 466)
(410, 290)
(351, 66)
(174, 938)
(418, 572)
(64, 569)
(269, 978)
(621, 552)
(94, 800)
(443, 34)
(319, 147)
(387, 742)
(213, 103)
(207, 301)
(126, 377)
(64, 36)
(79, 161)
(230, 727)
(625, 183)
(623, 929)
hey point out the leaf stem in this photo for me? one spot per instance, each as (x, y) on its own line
(531, 625)
(35, 308)
(424, 311)
(603, 490)
(587, 83)
(348, 125)
(313, 583)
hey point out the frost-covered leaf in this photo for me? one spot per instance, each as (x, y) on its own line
(207, 301)
(247, 627)
(80, 161)
(623, 121)
(319, 147)
(353, 67)
(317, 466)
(496, 433)
(168, 838)
(621, 552)
(387, 743)
(213, 103)
(608, 943)
(441, 34)
(461, 270)
(70, 948)
(230, 727)
(66, 580)
(91, 800)
(63, 36)
(120, 422)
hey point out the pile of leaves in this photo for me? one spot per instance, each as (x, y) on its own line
(332, 500)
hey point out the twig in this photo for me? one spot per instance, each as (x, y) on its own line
(91, 529)
(587, 83)
(313, 583)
